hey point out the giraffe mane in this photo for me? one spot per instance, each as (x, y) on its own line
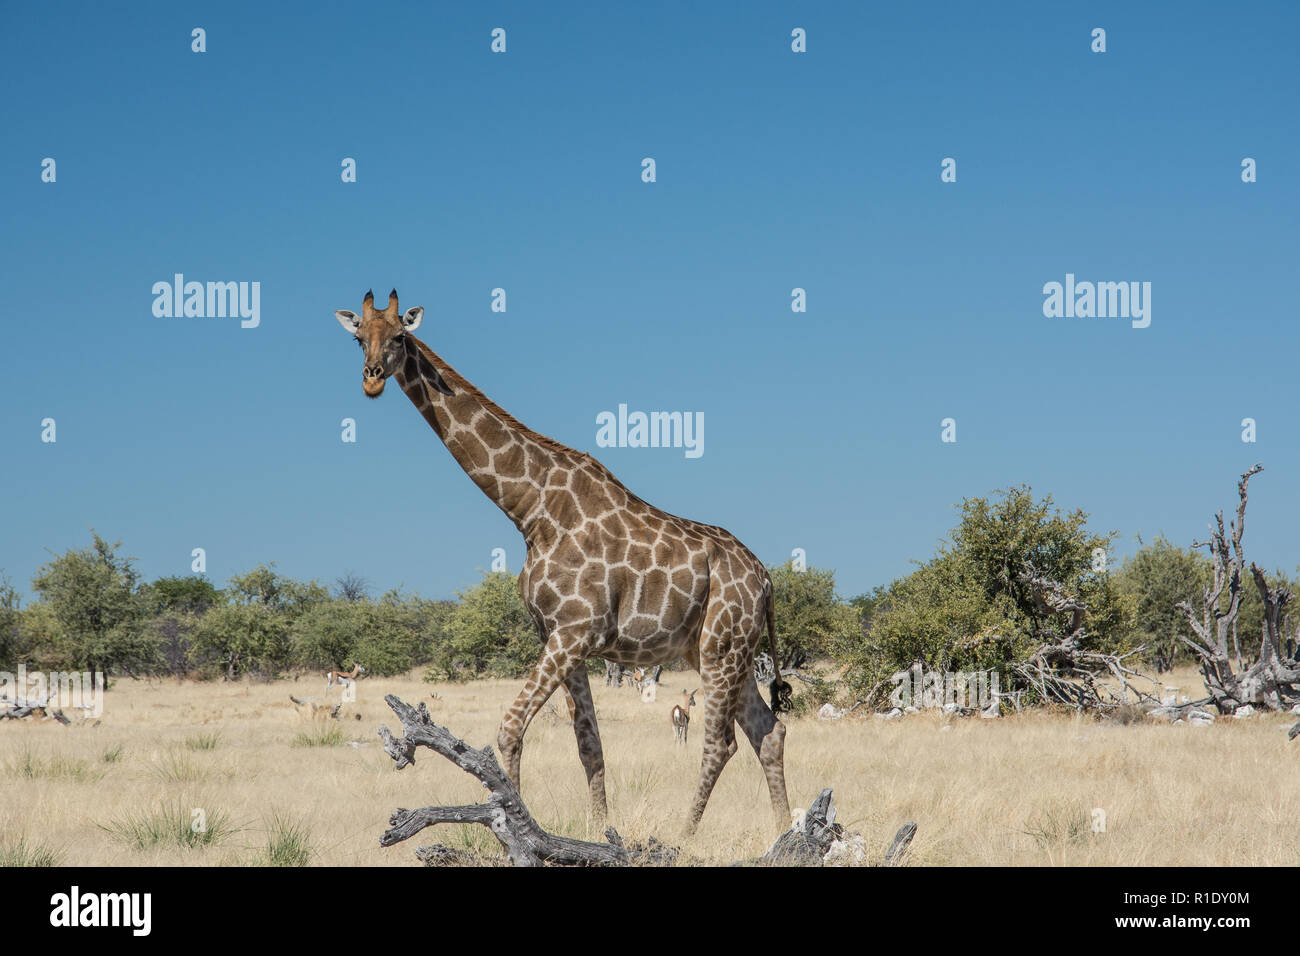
(459, 382)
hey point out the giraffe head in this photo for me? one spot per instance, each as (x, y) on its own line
(381, 335)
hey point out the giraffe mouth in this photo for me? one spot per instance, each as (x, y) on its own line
(373, 387)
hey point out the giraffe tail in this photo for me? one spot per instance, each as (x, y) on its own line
(779, 689)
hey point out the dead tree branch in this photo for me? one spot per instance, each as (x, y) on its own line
(1060, 671)
(1270, 682)
(527, 844)
(504, 813)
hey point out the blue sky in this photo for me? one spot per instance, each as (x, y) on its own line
(775, 170)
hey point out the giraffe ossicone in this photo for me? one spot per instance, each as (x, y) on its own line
(606, 574)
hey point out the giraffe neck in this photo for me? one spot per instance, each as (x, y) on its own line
(509, 462)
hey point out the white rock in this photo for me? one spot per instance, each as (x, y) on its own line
(892, 715)
(911, 710)
(950, 708)
(1184, 699)
(1244, 711)
(1169, 701)
(829, 712)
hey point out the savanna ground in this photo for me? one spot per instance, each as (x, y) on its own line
(277, 788)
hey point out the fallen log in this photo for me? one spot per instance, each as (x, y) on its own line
(527, 844)
(504, 812)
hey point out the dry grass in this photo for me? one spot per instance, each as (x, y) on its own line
(1021, 790)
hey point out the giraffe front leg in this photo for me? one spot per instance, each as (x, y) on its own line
(720, 688)
(560, 657)
(589, 749)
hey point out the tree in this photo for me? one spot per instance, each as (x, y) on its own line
(10, 618)
(1156, 578)
(1271, 679)
(251, 632)
(188, 594)
(352, 587)
(240, 639)
(92, 594)
(39, 644)
(490, 632)
(266, 586)
(388, 636)
(979, 603)
(810, 616)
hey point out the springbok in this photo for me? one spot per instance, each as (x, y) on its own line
(682, 715)
(344, 679)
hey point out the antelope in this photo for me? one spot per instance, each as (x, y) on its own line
(344, 679)
(682, 715)
(308, 709)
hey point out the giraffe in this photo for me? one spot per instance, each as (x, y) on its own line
(606, 574)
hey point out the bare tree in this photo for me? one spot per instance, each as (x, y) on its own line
(352, 586)
(1269, 682)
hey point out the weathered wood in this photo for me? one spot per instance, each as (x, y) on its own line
(902, 840)
(1270, 682)
(440, 854)
(807, 844)
(527, 844)
(504, 812)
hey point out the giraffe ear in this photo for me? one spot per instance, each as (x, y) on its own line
(414, 316)
(348, 320)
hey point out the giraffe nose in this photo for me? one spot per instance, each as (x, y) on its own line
(373, 371)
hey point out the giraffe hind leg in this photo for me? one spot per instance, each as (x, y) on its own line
(590, 751)
(766, 735)
(721, 678)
